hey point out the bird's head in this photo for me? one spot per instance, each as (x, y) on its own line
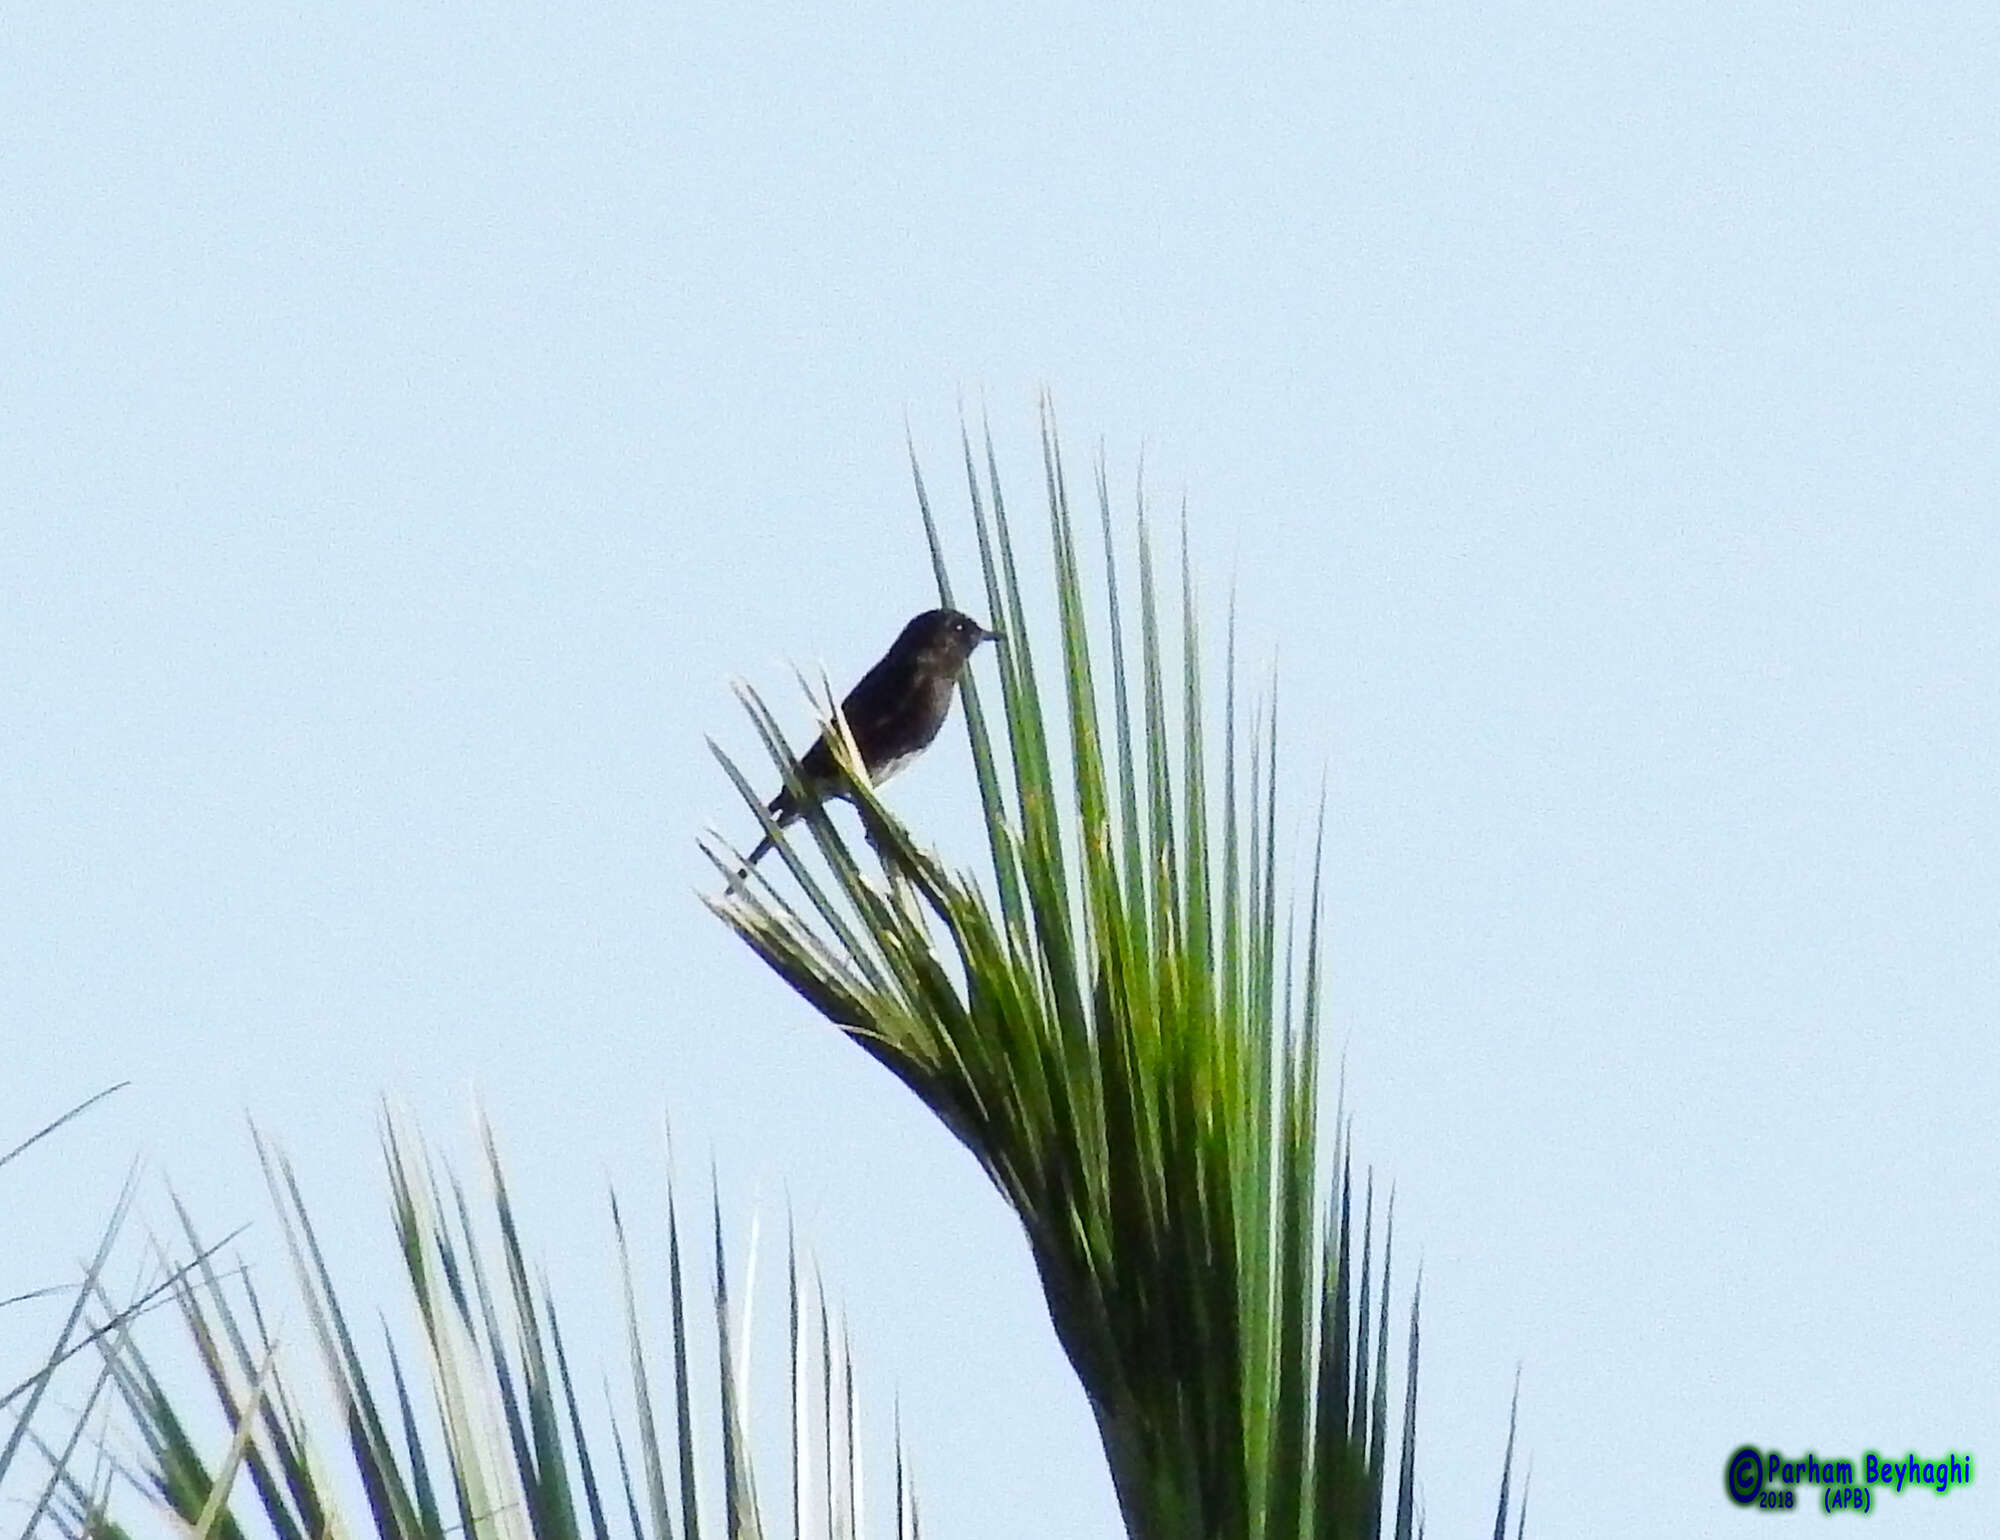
(944, 637)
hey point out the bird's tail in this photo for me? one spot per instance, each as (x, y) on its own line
(785, 810)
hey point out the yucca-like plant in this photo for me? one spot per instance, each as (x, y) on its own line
(487, 1435)
(25, 1400)
(1124, 1031)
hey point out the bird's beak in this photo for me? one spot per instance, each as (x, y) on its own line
(992, 636)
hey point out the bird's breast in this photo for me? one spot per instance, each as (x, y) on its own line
(890, 765)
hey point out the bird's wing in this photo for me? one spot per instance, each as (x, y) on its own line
(877, 707)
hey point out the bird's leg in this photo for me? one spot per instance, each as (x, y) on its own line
(885, 850)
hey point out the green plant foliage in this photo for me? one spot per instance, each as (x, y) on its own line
(486, 1437)
(23, 1401)
(1124, 1032)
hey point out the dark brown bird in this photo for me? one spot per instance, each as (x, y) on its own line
(893, 714)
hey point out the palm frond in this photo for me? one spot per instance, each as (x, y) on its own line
(25, 1403)
(1123, 1033)
(487, 1440)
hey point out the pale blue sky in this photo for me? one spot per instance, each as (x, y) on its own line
(414, 416)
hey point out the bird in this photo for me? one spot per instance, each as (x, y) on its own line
(892, 714)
